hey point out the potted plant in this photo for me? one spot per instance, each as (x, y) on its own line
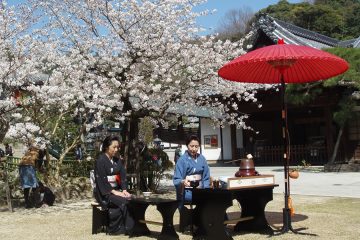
(294, 173)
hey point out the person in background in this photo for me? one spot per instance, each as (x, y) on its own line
(2, 154)
(8, 150)
(40, 161)
(146, 167)
(79, 152)
(47, 197)
(27, 174)
(111, 187)
(191, 168)
(177, 153)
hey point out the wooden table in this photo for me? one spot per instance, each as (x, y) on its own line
(166, 207)
(211, 207)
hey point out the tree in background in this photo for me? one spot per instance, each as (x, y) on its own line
(53, 112)
(337, 19)
(17, 58)
(334, 18)
(235, 24)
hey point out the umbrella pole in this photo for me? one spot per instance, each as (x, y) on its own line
(286, 210)
(286, 157)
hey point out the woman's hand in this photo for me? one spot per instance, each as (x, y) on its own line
(123, 194)
(126, 193)
(186, 182)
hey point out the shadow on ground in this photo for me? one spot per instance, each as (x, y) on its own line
(277, 217)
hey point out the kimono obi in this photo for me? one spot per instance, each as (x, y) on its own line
(195, 178)
(114, 180)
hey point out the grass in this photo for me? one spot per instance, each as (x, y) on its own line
(324, 217)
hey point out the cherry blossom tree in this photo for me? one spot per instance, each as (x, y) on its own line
(150, 51)
(125, 60)
(37, 104)
(52, 108)
(16, 48)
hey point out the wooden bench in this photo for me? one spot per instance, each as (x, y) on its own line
(100, 219)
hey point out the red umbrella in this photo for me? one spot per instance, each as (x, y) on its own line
(284, 63)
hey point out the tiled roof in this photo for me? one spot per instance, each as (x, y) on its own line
(347, 43)
(275, 29)
(307, 34)
(356, 43)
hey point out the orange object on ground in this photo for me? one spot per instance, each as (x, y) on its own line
(292, 210)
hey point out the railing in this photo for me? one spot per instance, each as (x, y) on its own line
(73, 168)
(273, 155)
(11, 163)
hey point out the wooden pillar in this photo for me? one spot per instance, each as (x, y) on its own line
(233, 141)
(199, 134)
(222, 144)
(180, 130)
(329, 131)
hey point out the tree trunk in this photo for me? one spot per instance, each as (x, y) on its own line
(66, 150)
(134, 151)
(7, 188)
(4, 127)
(47, 166)
(58, 167)
(131, 153)
(336, 148)
(126, 145)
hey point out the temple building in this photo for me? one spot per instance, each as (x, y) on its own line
(313, 133)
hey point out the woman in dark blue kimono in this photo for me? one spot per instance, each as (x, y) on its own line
(190, 168)
(110, 179)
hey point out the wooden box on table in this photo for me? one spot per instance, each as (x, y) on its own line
(247, 182)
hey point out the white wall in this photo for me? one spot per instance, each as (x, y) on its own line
(215, 153)
(226, 132)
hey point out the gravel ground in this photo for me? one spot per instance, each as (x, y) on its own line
(326, 217)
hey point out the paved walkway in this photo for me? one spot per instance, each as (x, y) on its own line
(310, 182)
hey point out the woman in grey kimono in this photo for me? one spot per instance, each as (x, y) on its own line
(191, 169)
(111, 187)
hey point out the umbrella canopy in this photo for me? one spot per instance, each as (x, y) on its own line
(284, 63)
(299, 64)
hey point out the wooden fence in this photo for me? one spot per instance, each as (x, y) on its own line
(273, 155)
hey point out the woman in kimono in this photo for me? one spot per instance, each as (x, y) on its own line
(110, 179)
(191, 168)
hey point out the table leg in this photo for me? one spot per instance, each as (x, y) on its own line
(253, 205)
(167, 211)
(138, 211)
(210, 216)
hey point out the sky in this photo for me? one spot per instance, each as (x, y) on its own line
(223, 6)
